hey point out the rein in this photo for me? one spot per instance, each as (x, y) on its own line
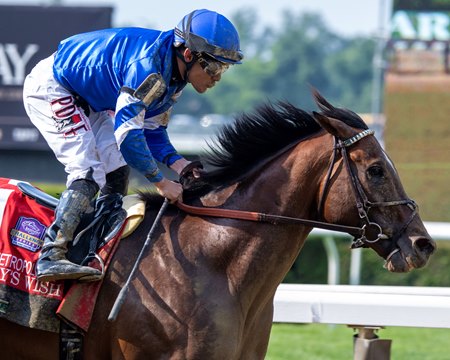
(369, 233)
(267, 218)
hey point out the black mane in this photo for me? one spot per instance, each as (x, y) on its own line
(253, 137)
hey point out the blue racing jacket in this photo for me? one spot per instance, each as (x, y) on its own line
(106, 68)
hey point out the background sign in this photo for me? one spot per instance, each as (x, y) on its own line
(421, 5)
(422, 20)
(29, 34)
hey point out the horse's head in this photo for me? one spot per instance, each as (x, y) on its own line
(363, 184)
(361, 192)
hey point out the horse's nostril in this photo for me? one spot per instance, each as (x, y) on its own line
(425, 245)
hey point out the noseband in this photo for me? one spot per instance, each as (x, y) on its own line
(368, 234)
(371, 231)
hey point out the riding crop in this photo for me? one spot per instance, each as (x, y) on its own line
(122, 294)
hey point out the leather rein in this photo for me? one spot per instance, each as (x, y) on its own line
(368, 233)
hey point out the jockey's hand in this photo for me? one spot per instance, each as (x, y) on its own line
(186, 168)
(179, 165)
(192, 169)
(190, 175)
(170, 190)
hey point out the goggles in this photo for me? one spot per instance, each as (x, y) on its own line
(212, 67)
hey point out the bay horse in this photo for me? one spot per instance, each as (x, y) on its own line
(205, 287)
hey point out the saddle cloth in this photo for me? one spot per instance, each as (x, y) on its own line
(25, 300)
(78, 305)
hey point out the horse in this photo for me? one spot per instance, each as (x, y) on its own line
(204, 288)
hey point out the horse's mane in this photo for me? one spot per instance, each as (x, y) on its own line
(253, 137)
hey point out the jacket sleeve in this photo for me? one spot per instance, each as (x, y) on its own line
(158, 139)
(159, 143)
(129, 133)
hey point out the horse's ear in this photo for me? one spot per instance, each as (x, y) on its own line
(334, 127)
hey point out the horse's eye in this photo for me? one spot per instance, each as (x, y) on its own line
(375, 172)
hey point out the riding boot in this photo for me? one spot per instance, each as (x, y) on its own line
(52, 264)
(117, 181)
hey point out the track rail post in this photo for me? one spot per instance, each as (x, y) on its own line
(368, 346)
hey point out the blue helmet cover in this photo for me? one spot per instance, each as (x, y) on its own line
(209, 32)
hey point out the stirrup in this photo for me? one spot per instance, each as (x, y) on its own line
(86, 261)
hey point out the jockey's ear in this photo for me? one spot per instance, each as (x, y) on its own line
(188, 56)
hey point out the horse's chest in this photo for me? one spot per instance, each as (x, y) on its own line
(208, 330)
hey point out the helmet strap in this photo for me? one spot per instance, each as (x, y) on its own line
(188, 64)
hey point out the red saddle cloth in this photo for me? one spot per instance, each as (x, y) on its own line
(78, 304)
(23, 299)
(23, 222)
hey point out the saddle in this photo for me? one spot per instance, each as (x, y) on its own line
(96, 228)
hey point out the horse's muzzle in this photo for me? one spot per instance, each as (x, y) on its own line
(413, 257)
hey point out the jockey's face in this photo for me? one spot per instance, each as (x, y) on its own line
(198, 77)
(200, 80)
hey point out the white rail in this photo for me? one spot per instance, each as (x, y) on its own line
(363, 305)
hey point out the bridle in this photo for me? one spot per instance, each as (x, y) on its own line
(371, 231)
(366, 235)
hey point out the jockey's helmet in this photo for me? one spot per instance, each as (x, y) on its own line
(207, 32)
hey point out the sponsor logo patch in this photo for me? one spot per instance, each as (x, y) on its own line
(28, 234)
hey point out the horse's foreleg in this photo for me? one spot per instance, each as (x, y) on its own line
(256, 336)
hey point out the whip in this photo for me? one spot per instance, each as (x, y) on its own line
(123, 293)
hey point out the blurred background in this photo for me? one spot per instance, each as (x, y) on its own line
(388, 60)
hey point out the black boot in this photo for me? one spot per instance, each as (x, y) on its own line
(117, 181)
(52, 264)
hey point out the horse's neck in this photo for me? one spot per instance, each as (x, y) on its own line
(264, 253)
(288, 186)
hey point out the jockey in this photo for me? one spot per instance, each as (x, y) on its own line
(102, 102)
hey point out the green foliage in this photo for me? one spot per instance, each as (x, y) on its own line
(351, 69)
(282, 63)
(310, 266)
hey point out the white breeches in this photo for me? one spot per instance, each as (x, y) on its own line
(79, 142)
